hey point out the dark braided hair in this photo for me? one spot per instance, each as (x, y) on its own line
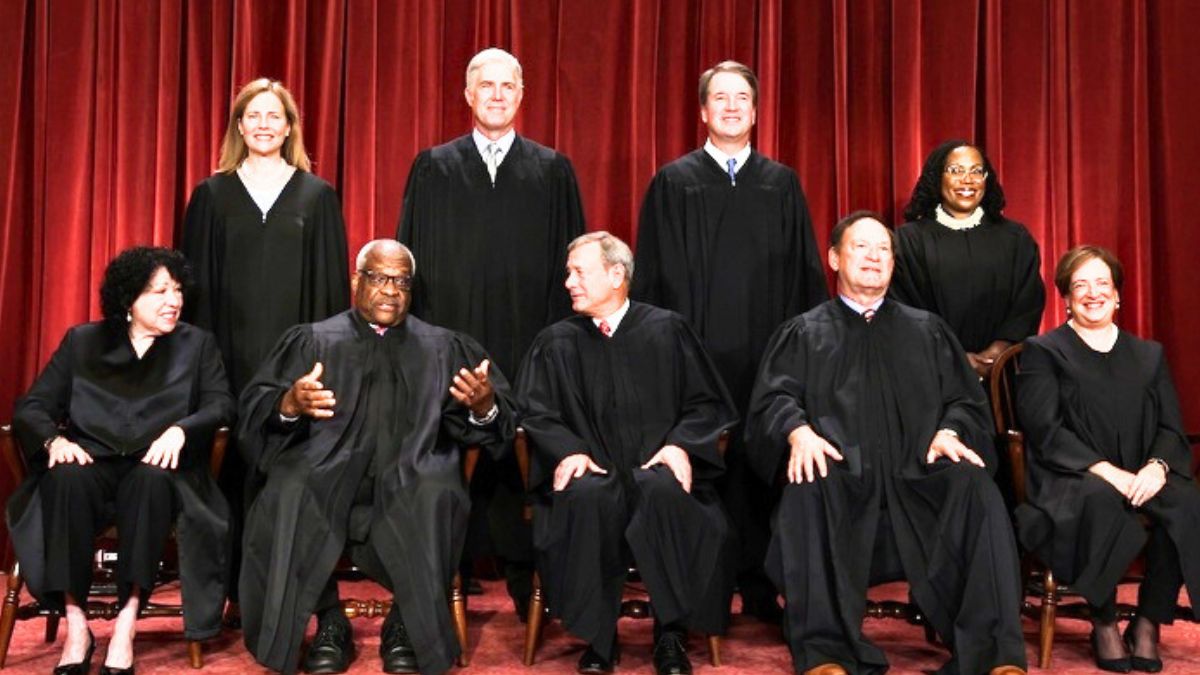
(927, 193)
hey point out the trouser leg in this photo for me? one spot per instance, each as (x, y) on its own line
(73, 499)
(1159, 591)
(144, 511)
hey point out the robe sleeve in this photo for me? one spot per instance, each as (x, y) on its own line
(412, 217)
(566, 224)
(496, 436)
(1028, 292)
(654, 223)
(328, 273)
(39, 414)
(964, 403)
(705, 408)
(1170, 441)
(1039, 413)
(260, 433)
(214, 403)
(542, 389)
(777, 401)
(910, 283)
(809, 287)
(199, 244)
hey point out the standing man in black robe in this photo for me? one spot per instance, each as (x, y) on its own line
(357, 423)
(725, 239)
(625, 409)
(885, 434)
(493, 195)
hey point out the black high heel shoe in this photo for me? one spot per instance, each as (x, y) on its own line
(1140, 663)
(1117, 665)
(105, 670)
(83, 666)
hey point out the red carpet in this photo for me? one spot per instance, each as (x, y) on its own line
(497, 638)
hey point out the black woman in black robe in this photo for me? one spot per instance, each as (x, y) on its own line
(1106, 447)
(120, 423)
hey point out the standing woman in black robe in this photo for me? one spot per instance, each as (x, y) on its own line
(960, 258)
(120, 422)
(1107, 444)
(267, 242)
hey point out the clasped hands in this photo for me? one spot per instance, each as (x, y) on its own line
(673, 457)
(811, 454)
(163, 452)
(308, 395)
(1138, 488)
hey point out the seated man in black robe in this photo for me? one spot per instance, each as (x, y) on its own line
(625, 408)
(357, 423)
(870, 409)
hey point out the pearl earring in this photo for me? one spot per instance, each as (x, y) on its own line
(128, 317)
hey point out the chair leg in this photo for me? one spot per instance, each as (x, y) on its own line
(714, 650)
(195, 655)
(8, 617)
(1049, 609)
(51, 628)
(458, 607)
(533, 623)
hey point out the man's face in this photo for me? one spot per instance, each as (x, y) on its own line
(383, 287)
(729, 110)
(863, 261)
(494, 96)
(596, 291)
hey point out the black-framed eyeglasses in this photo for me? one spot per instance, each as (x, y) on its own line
(959, 171)
(402, 282)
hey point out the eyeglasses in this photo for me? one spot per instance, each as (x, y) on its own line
(402, 282)
(959, 171)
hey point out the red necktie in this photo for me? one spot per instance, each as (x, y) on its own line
(605, 329)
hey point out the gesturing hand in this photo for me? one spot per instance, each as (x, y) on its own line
(808, 450)
(308, 397)
(62, 451)
(947, 445)
(164, 451)
(573, 466)
(674, 458)
(473, 389)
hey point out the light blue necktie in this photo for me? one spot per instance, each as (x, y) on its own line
(732, 164)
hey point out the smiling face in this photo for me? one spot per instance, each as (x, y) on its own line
(1093, 296)
(381, 300)
(729, 109)
(863, 261)
(494, 96)
(156, 311)
(963, 181)
(264, 125)
(596, 290)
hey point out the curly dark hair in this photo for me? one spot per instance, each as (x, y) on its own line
(927, 193)
(128, 274)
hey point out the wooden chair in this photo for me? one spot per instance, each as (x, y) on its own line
(1037, 578)
(103, 583)
(636, 608)
(368, 609)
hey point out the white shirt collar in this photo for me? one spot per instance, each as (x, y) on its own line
(613, 319)
(723, 159)
(505, 142)
(858, 308)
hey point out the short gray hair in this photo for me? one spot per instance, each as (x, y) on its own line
(495, 55)
(367, 248)
(612, 250)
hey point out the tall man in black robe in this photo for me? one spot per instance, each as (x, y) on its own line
(625, 408)
(356, 423)
(872, 412)
(725, 239)
(490, 196)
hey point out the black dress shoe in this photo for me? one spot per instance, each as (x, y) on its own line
(395, 647)
(1117, 665)
(1140, 663)
(670, 656)
(592, 662)
(83, 666)
(332, 649)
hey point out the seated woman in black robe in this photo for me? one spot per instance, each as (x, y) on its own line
(1107, 444)
(960, 258)
(117, 429)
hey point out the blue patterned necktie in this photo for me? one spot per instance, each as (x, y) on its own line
(732, 164)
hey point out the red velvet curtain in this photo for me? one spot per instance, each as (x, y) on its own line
(114, 109)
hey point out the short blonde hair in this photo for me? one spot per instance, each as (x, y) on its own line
(494, 55)
(233, 147)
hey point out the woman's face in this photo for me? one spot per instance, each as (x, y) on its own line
(963, 181)
(264, 125)
(156, 310)
(1093, 297)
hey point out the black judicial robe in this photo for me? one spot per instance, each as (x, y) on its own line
(986, 282)
(736, 260)
(258, 274)
(114, 403)
(619, 400)
(879, 391)
(298, 524)
(1079, 406)
(490, 259)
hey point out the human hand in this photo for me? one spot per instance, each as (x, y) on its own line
(946, 444)
(573, 466)
(308, 397)
(674, 458)
(1146, 483)
(62, 451)
(164, 451)
(808, 450)
(1120, 479)
(982, 365)
(473, 389)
